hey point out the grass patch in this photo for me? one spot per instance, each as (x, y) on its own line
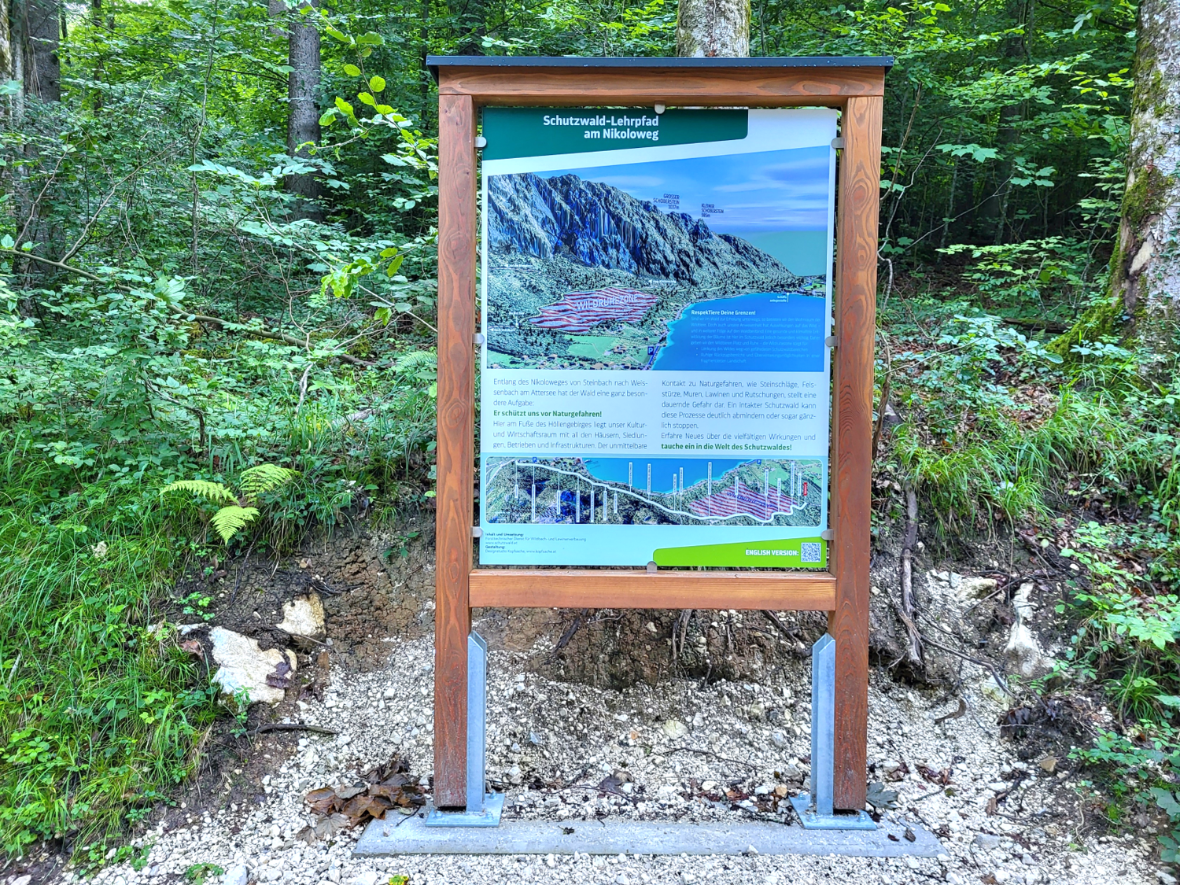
(98, 717)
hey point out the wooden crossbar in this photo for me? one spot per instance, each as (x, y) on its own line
(611, 588)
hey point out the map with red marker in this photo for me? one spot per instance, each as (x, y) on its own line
(579, 312)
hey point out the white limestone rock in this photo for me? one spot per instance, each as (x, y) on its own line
(244, 667)
(304, 616)
(1023, 650)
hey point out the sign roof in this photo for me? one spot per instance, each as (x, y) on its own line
(434, 62)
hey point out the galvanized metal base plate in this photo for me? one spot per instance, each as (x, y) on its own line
(855, 820)
(735, 836)
(488, 816)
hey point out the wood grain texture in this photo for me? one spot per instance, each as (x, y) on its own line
(787, 87)
(856, 301)
(581, 588)
(456, 442)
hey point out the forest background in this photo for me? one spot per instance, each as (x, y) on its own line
(217, 251)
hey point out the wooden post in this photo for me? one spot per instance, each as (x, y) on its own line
(456, 442)
(856, 302)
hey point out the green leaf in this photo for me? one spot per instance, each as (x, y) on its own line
(1166, 800)
(327, 117)
(344, 107)
(367, 99)
(214, 492)
(352, 70)
(377, 84)
(7, 242)
(342, 37)
(228, 521)
(265, 478)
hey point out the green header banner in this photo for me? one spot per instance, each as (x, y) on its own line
(537, 132)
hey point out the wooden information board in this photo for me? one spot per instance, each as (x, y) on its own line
(853, 86)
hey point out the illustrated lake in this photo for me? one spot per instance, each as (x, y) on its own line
(760, 332)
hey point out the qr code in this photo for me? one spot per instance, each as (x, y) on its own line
(811, 551)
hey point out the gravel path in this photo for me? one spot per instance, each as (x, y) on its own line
(669, 749)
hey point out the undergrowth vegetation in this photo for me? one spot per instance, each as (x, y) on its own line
(996, 434)
(101, 713)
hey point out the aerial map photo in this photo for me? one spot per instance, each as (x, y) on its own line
(653, 491)
(716, 263)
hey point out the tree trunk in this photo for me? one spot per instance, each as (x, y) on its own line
(5, 43)
(40, 27)
(303, 116)
(1143, 303)
(1145, 272)
(713, 28)
(16, 42)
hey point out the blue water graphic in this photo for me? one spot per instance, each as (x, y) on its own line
(662, 470)
(760, 332)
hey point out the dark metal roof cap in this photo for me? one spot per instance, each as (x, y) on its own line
(434, 62)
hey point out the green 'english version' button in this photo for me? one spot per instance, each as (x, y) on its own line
(809, 553)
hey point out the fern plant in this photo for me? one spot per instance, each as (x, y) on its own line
(421, 368)
(237, 510)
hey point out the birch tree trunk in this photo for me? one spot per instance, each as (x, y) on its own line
(303, 116)
(1145, 269)
(713, 28)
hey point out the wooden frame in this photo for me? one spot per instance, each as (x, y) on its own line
(856, 87)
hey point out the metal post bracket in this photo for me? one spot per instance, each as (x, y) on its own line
(816, 810)
(483, 809)
(811, 820)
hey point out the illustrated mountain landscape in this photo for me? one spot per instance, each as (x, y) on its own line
(569, 491)
(582, 275)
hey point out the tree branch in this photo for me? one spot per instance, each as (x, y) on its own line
(17, 253)
(906, 609)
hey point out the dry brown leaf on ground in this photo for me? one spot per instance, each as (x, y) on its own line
(376, 792)
(941, 777)
(322, 801)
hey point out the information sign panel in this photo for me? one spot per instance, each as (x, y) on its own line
(656, 294)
